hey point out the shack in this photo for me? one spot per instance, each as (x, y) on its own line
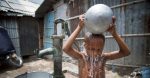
(17, 16)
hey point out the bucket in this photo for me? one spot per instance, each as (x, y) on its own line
(145, 72)
(35, 75)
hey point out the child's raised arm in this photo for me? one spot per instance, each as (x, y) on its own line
(67, 47)
(124, 50)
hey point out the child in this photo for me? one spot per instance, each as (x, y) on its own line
(92, 60)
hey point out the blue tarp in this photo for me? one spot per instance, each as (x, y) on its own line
(6, 45)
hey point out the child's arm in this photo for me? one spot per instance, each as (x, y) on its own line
(124, 50)
(67, 47)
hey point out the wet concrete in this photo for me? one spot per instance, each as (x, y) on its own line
(32, 64)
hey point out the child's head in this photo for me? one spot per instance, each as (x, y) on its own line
(94, 43)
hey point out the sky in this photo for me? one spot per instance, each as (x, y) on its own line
(36, 1)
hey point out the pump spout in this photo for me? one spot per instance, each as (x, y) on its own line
(47, 51)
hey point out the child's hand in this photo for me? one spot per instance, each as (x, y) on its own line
(81, 22)
(112, 28)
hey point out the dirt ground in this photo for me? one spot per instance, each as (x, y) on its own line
(32, 64)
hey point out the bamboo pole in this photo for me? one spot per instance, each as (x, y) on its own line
(116, 6)
(126, 35)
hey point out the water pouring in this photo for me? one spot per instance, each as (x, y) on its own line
(98, 19)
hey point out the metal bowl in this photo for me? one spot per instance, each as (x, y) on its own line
(98, 18)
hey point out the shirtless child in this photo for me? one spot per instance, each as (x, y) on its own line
(92, 60)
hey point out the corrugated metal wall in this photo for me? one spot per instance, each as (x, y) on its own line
(131, 19)
(41, 32)
(48, 29)
(10, 24)
(76, 7)
(28, 32)
(59, 13)
(60, 10)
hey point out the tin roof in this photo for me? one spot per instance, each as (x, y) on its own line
(46, 6)
(19, 6)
